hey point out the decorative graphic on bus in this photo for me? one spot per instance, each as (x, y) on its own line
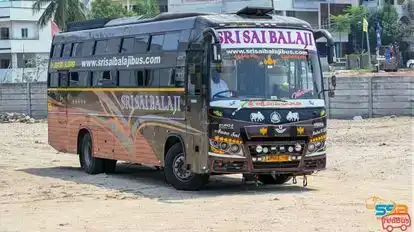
(266, 38)
(151, 102)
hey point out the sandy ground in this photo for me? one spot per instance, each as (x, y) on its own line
(42, 190)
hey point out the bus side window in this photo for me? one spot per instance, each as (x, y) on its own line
(53, 80)
(113, 46)
(63, 78)
(156, 43)
(87, 48)
(77, 49)
(67, 50)
(141, 44)
(57, 50)
(127, 78)
(171, 41)
(127, 45)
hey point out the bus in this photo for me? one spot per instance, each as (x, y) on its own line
(192, 94)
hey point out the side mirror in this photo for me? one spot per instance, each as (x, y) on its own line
(330, 55)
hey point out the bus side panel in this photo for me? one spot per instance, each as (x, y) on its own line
(57, 121)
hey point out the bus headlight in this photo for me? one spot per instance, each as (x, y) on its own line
(235, 148)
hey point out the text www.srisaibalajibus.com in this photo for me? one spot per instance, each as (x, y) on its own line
(121, 61)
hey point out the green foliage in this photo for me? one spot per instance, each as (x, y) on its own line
(341, 23)
(108, 9)
(61, 11)
(392, 28)
(147, 7)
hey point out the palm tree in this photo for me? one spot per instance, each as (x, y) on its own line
(61, 11)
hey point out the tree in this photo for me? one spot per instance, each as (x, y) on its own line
(340, 24)
(61, 11)
(36, 65)
(147, 7)
(108, 9)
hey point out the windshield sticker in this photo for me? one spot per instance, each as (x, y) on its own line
(273, 103)
(275, 117)
(218, 113)
(292, 117)
(245, 56)
(257, 117)
(266, 38)
(280, 52)
(299, 93)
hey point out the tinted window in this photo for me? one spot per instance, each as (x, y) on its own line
(77, 49)
(127, 45)
(87, 48)
(67, 49)
(142, 76)
(101, 47)
(184, 38)
(154, 78)
(114, 46)
(104, 78)
(156, 43)
(171, 41)
(166, 77)
(57, 50)
(127, 78)
(141, 43)
(53, 80)
(63, 79)
(79, 79)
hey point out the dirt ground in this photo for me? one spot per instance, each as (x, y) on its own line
(42, 190)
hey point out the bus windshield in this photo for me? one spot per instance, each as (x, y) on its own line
(264, 72)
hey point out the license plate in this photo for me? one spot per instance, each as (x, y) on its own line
(277, 158)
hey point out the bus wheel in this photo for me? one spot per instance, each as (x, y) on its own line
(276, 179)
(109, 166)
(177, 175)
(90, 164)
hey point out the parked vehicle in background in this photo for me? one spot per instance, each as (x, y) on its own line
(144, 91)
(410, 64)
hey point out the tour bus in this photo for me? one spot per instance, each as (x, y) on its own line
(192, 94)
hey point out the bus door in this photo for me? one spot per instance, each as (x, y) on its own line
(59, 132)
(196, 113)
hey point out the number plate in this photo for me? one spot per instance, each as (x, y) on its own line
(276, 158)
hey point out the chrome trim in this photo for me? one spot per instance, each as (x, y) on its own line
(316, 154)
(226, 156)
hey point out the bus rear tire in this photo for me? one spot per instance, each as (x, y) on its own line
(89, 164)
(277, 179)
(177, 175)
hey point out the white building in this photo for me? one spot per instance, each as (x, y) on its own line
(23, 44)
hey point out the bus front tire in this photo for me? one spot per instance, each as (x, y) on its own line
(89, 164)
(277, 179)
(177, 175)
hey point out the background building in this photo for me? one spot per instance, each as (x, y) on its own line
(24, 46)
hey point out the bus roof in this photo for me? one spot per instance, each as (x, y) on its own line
(247, 15)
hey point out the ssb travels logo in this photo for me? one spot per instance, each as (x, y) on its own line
(392, 215)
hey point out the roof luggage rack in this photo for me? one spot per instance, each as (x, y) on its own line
(255, 12)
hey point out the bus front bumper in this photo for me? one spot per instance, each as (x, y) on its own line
(227, 164)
